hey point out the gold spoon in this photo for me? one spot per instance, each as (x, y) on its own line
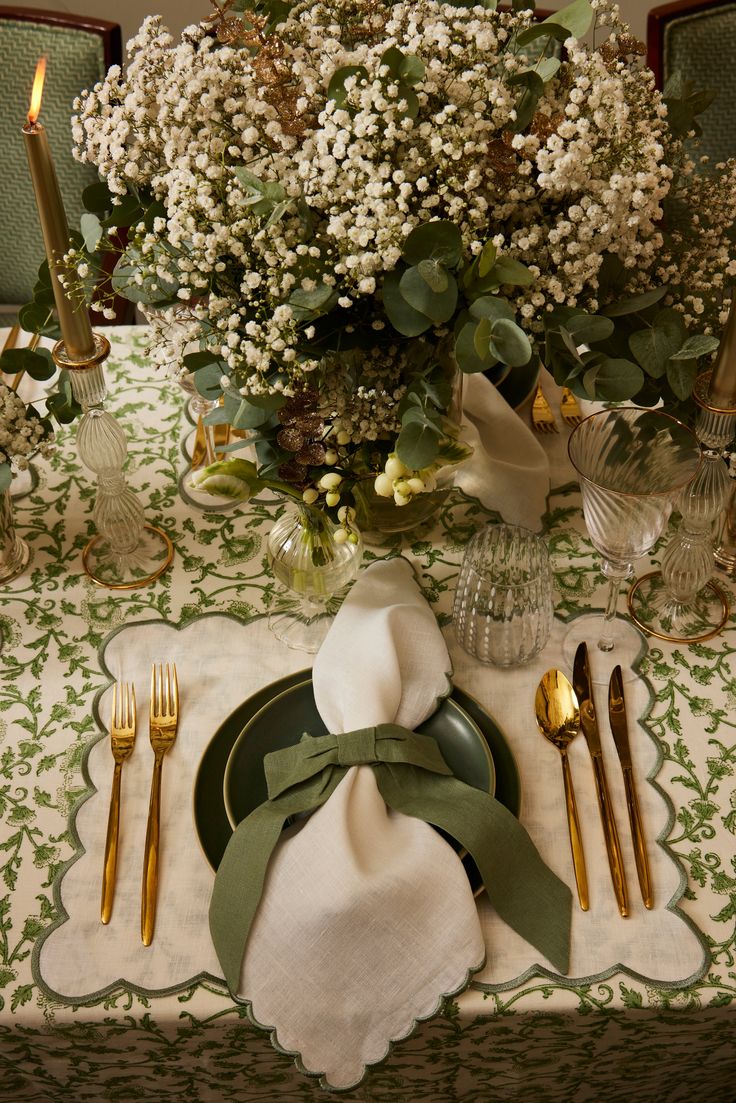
(558, 719)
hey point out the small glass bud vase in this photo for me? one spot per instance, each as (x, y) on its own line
(14, 552)
(314, 559)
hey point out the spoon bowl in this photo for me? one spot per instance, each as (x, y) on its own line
(557, 710)
(558, 719)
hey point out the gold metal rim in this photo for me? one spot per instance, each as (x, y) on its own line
(700, 391)
(629, 493)
(720, 594)
(62, 360)
(139, 582)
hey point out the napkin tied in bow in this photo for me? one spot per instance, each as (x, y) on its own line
(413, 778)
(359, 920)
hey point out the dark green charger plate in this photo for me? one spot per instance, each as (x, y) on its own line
(289, 714)
(210, 814)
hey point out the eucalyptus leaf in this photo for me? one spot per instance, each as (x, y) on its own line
(438, 241)
(530, 79)
(193, 361)
(486, 258)
(482, 338)
(653, 347)
(336, 87)
(91, 228)
(466, 355)
(493, 307)
(97, 198)
(124, 213)
(433, 275)
(509, 343)
(613, 380)
(411, 69)
(437, 305)
(588, 328)
(545, 29)
(681, 376)
(392, 58)
(34, 318)
(637, 303)
(207, 381)
(575, 20)
(316, 299)
(38, 364)
(418, 444)
(403, 317)
(511, 271)
(152, 290)
(698, 345)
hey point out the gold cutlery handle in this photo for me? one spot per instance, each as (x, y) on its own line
(576, 839)
(637, 837)
(149, 888)
(613, 847)
(111, 847)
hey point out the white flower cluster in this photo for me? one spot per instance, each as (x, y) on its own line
(271, 189)
(20, 435)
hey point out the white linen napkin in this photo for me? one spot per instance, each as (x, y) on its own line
(509, 469)
(367, 920)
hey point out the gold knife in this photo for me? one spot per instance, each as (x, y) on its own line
(582, 685)
(619, 727)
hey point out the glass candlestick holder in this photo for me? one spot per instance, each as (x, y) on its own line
(680, 602)
(126, 552)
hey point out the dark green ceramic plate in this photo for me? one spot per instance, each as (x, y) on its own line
(281, 722)
(210, 815)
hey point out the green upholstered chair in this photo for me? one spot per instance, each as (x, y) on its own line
(78, 51)
(698, 38)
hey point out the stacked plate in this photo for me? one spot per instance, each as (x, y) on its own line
(231, 781)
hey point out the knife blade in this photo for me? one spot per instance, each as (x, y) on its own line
(619, 727)
(583, 688)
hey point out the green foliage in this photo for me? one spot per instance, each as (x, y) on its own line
(636, 349)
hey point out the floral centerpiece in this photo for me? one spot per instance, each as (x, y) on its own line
(330, 205)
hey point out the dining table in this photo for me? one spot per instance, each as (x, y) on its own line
(647, 1010)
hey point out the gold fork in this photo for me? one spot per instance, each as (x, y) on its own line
(163, 718)
(122, 738)
(543, 420)
(569, 408)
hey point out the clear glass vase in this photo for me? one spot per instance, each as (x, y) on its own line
(313, 566)
(14, 552)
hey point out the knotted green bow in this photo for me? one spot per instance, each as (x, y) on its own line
(412, 778)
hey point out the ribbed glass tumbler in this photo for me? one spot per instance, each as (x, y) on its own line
(503, 602)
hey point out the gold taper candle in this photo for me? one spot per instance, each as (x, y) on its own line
(723, 377)
(73, 319)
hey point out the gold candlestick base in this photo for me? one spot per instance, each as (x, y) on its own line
(126, 553)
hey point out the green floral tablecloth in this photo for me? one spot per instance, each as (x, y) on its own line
(544, 1041)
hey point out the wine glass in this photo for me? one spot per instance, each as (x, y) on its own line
(632, 464)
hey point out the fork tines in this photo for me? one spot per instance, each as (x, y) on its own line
(543, 420)
(569, 408)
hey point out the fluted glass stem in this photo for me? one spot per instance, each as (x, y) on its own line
(126, 552)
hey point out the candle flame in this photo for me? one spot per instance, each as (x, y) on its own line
(37, 92)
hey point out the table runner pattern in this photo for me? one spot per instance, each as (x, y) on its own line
(53, 621)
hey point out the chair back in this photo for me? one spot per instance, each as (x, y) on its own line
(78, 52)
(698, 39)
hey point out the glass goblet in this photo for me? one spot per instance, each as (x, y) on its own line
(632, 465)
